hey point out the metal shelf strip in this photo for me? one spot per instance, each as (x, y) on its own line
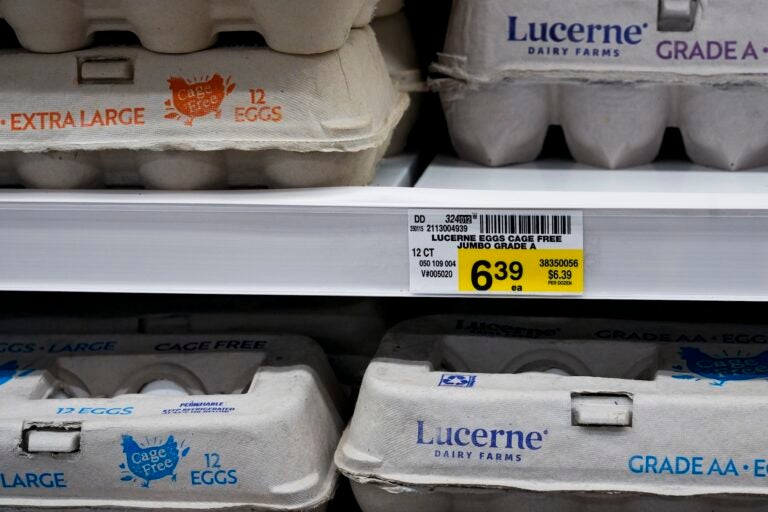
(641, 243)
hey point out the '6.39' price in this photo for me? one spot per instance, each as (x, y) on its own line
(520, 271)
(560, 274)
(487, 273)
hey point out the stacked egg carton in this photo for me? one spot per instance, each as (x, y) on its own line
(348, 331)
(495, 414)
(178, 422)
(313, 108)
(395, 37)
(613, 73)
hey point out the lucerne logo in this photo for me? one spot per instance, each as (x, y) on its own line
(589, 33)
(479, 437)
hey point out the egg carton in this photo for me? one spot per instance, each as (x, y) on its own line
(184, 170)
(349, 332)
(496, 414)
(185, 26)
(214, 422)
(613, 73)
(223, 117)
(399, 49)
(389, 7)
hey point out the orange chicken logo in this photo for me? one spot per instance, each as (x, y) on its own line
(197, 99)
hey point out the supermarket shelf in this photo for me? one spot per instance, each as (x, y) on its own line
(690, 234)
(397, 171)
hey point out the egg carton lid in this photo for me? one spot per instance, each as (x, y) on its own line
(221, 99)
(184, 26)
(89, 446)
(26, 354)
(688, 42)
(494, 403)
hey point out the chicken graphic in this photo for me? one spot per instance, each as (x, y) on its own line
(11, 370)
(197, 98)
(8, 371)
(148, 463)
(722, 369)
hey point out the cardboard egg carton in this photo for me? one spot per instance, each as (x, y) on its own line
(219, 118)
(497, 413)
(185, 26)
(349, 332)
(613, 74)
(190, 421)
(399, 49)
(389, 7)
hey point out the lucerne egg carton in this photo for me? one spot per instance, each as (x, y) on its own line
(218, 118)
(246, 422)
(613, 73)
(183, 26)
(486, 414)
(399, 49)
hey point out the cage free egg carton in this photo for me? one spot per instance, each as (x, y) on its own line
(246, 422)
(349, 332)
(213, 119)
(496, 414)
(399, 49)
(613, 73)
(183, 26)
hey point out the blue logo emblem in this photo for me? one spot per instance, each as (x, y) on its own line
(722, 369)
(10, 370)
(151, 460)
(454, 380)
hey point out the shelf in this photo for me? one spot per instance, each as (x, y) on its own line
(652, 233)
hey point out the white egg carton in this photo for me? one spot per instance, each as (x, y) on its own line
(185, 26)
(399, 49)
(613, 73)
(495, 414)
(195, 422)
(219, 118)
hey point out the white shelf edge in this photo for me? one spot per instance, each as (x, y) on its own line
(698, 245)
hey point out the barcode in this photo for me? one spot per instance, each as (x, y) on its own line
(526, 224)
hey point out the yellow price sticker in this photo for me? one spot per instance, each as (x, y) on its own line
(523, 271)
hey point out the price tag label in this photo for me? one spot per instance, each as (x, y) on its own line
(496, 252)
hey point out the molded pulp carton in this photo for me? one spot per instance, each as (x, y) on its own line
(245, 422)
(388, 7)
(498, 414)
(349, 332)
(399, 49)
(613, 73)
(223, 117)
(183, 26)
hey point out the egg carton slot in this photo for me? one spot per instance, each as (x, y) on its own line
(610, 125)
(488, 413)
(185, 26)
(218, 118)
(199, 421)
(188, 170)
